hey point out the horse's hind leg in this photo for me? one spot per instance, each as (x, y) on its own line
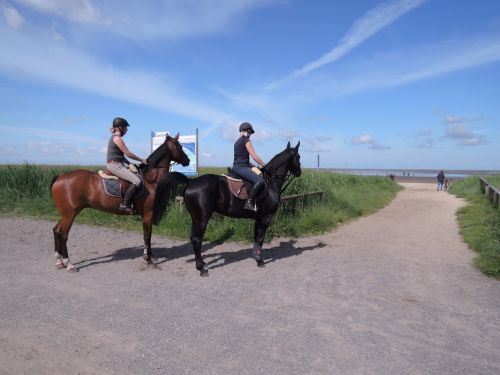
(57, 243)
(146, 228)
(61, 232)
(197, 231)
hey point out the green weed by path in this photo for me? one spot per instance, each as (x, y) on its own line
(24, 191)
(480, 223)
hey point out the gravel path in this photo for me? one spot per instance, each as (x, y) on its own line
(392, 293)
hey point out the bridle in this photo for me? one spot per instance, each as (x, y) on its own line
(287, 177)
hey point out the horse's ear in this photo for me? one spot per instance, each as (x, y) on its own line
(177, 137)
(297, 147)
(288, 145)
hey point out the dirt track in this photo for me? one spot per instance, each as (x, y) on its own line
(392, 293)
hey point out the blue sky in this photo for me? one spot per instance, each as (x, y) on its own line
(363, 84)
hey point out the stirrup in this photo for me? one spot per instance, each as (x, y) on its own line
(126, 209)
(250, 205)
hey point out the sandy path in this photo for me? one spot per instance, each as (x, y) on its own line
(392, 293)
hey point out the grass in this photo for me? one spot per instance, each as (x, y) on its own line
(480, 223)
(24, 191)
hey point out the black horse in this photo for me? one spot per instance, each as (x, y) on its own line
(211, 193)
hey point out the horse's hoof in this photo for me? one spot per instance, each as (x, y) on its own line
(203, 273)
(147, 259)
(60, 265)
(72, 269)
(261, 264)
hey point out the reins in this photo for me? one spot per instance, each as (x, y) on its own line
(288, 176)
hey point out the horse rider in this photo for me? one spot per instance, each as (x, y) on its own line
(118, 165)
(241, 165)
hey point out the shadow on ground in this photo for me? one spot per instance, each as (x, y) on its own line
(285, 249)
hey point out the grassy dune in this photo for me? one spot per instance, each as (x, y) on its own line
(24, 191)
(480, 223)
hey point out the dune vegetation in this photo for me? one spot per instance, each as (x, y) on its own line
(24, 191)
(480, 223)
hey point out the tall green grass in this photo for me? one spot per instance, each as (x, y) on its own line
(24, 191)
(480, 223)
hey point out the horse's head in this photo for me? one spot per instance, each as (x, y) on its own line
(170, 150)
(294, 164)
(286, 163)
(177, 154)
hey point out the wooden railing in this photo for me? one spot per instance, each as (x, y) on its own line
(491, 192)
(295, 199)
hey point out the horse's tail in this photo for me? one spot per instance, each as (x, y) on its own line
(52, 183)
(165, 193)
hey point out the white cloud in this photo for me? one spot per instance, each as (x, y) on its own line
(463, 136)
(74, 10)
(375, 20)
(401, 68)
(367, 139)
(372, 22)
(317, 144)
(423, 139)
(169, 19)
(46, 60)
(25, 132)
(450, 119)
(12, 17)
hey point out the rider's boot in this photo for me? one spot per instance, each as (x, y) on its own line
(250, 202)
(126, 205)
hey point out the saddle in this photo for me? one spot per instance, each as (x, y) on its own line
(116, 187)
(240, 187)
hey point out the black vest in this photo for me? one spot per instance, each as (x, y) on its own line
(241, 155)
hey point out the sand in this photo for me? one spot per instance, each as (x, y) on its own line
(391, 293)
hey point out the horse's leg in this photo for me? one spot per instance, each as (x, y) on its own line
(260, 228)
(62, 230)
(147, 221)
(57, 243)
(197, 231)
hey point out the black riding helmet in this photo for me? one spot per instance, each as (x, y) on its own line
(119, 122)
(246, 126)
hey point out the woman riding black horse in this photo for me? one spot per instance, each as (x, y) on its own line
(243, 149)
(211, 193)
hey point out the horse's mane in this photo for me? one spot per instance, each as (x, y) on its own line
(278, 159)
(158, 154)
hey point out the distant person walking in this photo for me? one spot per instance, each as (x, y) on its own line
(440, 178)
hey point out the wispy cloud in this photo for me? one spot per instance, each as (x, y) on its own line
(318, 144)
(28, 56)
(362, 29)
(74, 10)
(371, 23)
(423, 139)
(12, 17)
(387, 70)
(167, 19)
(58, 135)
(367, 139)
(463, 136)
(460, 133)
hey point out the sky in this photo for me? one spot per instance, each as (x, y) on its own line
(361, 84)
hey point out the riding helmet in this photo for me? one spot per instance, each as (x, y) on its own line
(119, 122)
(246, 126)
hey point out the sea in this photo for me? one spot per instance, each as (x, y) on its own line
(417, 173)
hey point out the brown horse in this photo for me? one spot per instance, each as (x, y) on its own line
(75, 190)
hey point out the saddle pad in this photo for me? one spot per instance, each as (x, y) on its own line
(237, 187)
(113, 187)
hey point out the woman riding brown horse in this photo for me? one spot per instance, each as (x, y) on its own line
(75, 190)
